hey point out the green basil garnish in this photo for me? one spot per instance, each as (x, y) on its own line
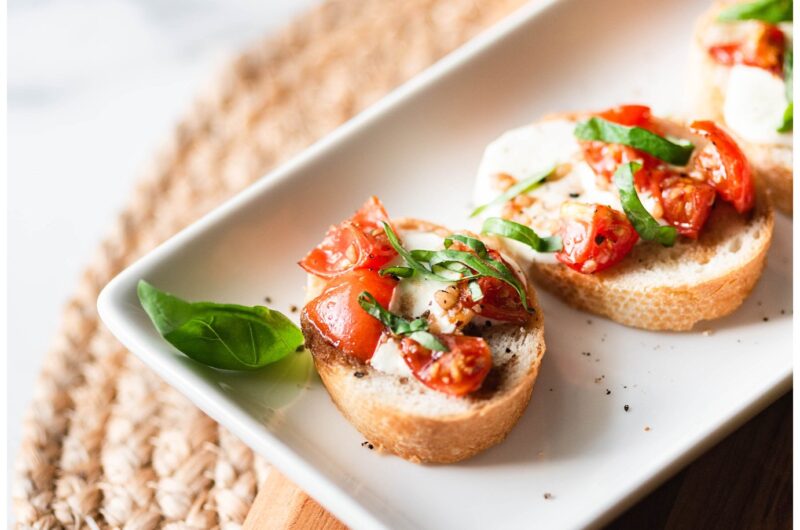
(788, 74)
(523, 186)
(772, 11)
(598, 129)
(644, 223)
(412, 263)
(453, 265)
(416, 330)
(523, 234)
(227, 336)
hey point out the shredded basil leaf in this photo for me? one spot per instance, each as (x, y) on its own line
(772, 11)
(482, 267)
(644, 223)
(397, 272)
(598, 129)
(416, 330)
(788, 74)
(227, 336)
(472, 242)
(523, 234)
(523, 186)
(412, 263)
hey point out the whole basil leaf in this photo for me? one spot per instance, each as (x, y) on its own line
(644, 223)
(772, 11)
(416, 330)
(788, 74)
(523, 234)
(523, 186)
(602, 130)
(227, 336)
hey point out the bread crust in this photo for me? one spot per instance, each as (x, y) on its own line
(487, 418)
(771, 164)
(668, 306)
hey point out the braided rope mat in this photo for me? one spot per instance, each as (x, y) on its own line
(106, 444)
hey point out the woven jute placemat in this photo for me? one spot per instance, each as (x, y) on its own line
(106, 444)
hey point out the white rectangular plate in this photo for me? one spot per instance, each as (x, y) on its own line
(418, 150)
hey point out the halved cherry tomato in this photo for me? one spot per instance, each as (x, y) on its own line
(764, 50)
(342, 321)
(500, 301)
(594, 236)
(723, 165)
(357, 243)
(686, 203)
(456, 372)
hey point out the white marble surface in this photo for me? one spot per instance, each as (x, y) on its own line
(93, 88)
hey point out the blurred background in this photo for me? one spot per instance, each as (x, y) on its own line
(93, 87)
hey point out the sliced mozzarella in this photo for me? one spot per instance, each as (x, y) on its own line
(755, 101)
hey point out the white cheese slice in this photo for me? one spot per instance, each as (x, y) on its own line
(388, 358)
(755, 101)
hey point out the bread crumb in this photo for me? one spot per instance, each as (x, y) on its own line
(293, 308)
(627, 408)
(708, 332)
(267, 299)
(548, 496)
(647, 428)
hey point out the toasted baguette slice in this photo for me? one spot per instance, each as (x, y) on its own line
(673, 288)
(771, 164)
(402, 416)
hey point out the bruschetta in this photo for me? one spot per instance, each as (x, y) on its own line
(427, 340)
(742, 77)
(650, 222)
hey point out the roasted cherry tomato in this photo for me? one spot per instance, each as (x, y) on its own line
(456, 372)
(500, 301)
(723, 165)
(342, 321)
(686, 203)
(357, 243)
(764, 49)
(594, 236)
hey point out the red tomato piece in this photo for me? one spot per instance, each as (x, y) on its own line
(339, 318)
(630, 115)
(456, 372)
(500, 301)
(594, 236)
(723, 165)
(357, 243)
(764, 50)
(686, 203)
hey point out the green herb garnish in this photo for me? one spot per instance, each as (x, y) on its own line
(416, 330)
(523, 186)
(227, 336)
(772, 11)
(644, 223)
(788, 74)
(602, 130)
(523, 234)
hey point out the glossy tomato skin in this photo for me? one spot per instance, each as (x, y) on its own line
(686, 203)
(594, 236)
(457, 372)
(629, 115)
(723, 165)
(339, 318)
(357, 243)
(764, 50)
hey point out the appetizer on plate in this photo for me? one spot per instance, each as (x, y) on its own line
(742, 77)
(428, 341)
(659, 221)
